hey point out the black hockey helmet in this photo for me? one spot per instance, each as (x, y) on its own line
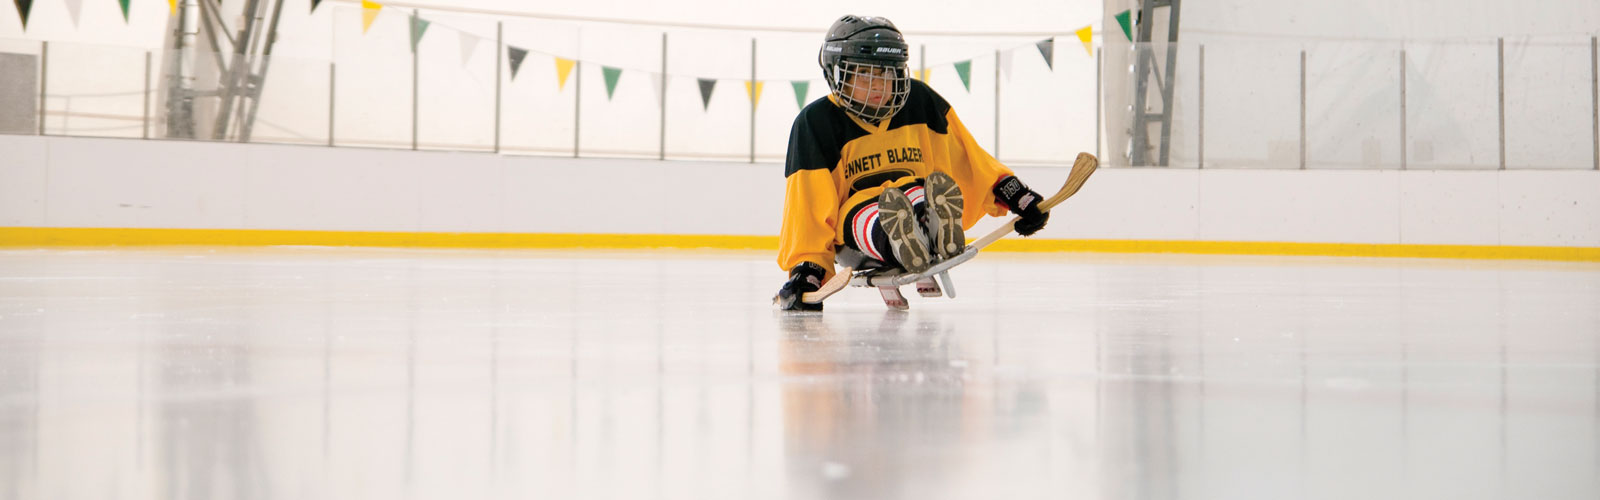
(859, 50)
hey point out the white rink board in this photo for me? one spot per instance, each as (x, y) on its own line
(117, 183)
(1300, 206)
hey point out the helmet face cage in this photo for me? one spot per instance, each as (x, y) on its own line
(857, 82)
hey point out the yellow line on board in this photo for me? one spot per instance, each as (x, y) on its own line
(55, 236)
(1586, 254)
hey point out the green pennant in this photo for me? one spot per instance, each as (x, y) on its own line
(612, 74)
(800, 87)
(124, 10)
(706, 85)
(419, 26)
(1124, 19)
(515, 56)
(964, 68)
(23, 6)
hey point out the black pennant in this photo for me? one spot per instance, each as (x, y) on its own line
(1047, 48)
(706, 84)
(314, 4)
(23, 6)
(515, 55)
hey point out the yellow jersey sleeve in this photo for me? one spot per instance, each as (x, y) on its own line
(809, 218)
(812, 191)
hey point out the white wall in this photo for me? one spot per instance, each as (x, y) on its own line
(1353, 84)
(82, 182)
(1385, 19)
(1046, 115)
(1353, 76)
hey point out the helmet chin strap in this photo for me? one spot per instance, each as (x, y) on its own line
(868, 114)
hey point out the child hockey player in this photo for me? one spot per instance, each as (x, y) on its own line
(881, 172)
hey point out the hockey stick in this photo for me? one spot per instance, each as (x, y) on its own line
(1082, 168)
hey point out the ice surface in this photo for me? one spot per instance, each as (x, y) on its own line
(334, 373)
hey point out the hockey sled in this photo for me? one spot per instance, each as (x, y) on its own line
(889, 281)
(931, 283)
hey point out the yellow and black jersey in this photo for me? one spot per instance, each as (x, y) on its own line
(837, 161)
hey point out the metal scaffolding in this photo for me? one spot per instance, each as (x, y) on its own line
(239, 58)
(1144, 72)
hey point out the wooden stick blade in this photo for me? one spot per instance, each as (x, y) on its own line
(840, 280)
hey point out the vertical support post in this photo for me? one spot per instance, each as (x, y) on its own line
(236, 75)
(1143, 57)
(44, 79)
(1302, 109)
(331, 101)
(1594, 95)
(1202, 146)
(1171, 83)
(333, 55)
(662, 154)
(577, 104)
(254, 81)
(752, 100)
(414, 85)
(1403, 138)
(144, 125)
(997, 104)
(1500, 49)
(1098, 124)
(922, 62)
(499, 52)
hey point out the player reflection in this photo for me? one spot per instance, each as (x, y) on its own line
(870, 410)
(19, 423)
(208, 440)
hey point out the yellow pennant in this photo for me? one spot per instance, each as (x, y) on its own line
(172, 7)
(563, 70)
(1085, 35)
(755, 95)
(923, 75)
(369, 13)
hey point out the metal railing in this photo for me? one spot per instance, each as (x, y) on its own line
(1470, 104)
(1528, 103)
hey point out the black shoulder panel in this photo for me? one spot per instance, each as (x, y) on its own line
(817, 137)
(923, 106)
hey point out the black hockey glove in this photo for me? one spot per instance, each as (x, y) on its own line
(1023, 202)
(806, 277)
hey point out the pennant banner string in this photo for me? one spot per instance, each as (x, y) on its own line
(518, 54)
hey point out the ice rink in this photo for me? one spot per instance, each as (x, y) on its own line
(347, 373)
